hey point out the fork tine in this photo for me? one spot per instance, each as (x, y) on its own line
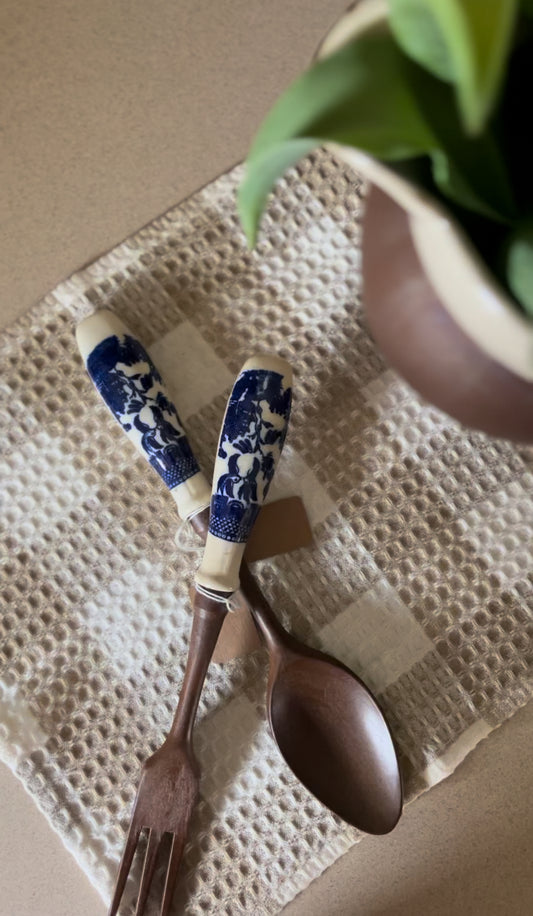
(125, 864)
(176, 852)
(154, 839)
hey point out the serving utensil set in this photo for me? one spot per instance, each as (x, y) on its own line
(327, 725)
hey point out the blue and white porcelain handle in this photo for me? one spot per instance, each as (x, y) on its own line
(134, 391)
(251, 440)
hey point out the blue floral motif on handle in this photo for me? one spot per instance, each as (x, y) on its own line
(133, 389)
(252, 437)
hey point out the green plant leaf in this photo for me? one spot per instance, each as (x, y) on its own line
(358, 96)
(260, 177)
(469, 170)
(361, 89)
(466, 42)
(518, 264)
(454, 186)
(420, 35)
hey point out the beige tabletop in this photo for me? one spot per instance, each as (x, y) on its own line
(110, 113)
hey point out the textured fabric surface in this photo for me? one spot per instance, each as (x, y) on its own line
(419, 578)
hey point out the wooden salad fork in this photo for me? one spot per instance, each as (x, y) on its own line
(252, 436)
(168, 787)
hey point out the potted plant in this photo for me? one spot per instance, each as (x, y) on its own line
(424, 99)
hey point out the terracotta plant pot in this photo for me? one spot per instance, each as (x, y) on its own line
(436, 311)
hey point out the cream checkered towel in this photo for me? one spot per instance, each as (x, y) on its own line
(420, 577)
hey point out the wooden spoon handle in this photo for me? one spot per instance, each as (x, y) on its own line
(252, 437)
(136, 395)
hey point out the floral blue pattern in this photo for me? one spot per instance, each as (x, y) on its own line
(254, 431)
(134, 391)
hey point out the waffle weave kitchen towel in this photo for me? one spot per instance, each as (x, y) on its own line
(419, 577)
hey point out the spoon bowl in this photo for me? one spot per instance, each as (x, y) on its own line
(311, 703)
(328, 726)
